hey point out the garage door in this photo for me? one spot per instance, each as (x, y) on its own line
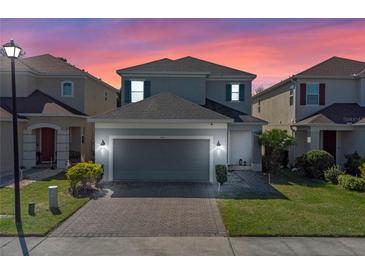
(161, 159)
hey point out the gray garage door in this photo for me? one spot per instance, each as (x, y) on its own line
(161, 160)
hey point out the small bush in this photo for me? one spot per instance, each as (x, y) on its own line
(351, 182)
(331, 174)
(84, 176)
(352, 164)
(362, 170)
(221, 173)
(315, 162)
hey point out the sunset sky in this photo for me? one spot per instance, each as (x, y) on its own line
(271, 48)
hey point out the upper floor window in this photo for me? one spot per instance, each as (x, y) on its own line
(67, 89)
(235, 92)
(312, 94)
(291, 98)
(137, 91)
(259, 106)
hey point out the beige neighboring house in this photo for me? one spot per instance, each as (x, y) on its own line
(54, 100)
(323, 107)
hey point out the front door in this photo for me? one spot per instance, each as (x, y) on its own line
(329, 142)
(47, 144)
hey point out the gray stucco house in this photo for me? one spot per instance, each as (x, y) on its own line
(323, 107)
(178, 119)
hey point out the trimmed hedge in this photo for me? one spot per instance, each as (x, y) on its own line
(315, 162)
(83, 176)
(353, 163)
(221, 173)
(351, 182)
(331, 174)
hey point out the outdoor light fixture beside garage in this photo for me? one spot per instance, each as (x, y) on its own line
(218, 144)
(102, 143)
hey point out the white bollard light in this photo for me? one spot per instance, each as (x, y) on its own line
(53, 197)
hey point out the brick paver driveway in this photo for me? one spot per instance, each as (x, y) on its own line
(148, 209)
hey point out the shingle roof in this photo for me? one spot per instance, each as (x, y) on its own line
(39, 103)
(339, 113)
(186, 64)
(48, 64)
(335, 66)
(238, 116)
(332, 67)
(163, 106)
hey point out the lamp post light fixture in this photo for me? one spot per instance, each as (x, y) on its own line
(13, 51)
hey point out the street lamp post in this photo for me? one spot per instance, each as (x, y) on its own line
(12, 51)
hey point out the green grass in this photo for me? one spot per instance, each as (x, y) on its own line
(312, 208)
(44, 220)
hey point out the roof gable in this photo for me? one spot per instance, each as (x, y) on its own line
(185, 65)
(163, 106)
(39, 103)
(335, 66)
(338, 113)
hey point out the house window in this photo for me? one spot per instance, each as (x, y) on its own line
(105, 96)
(67, 89)
(137, 90)
(235, 92)
(291, 98)
(259, 106)
(312, 94)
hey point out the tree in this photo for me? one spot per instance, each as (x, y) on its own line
(259, 89)
(275, 142)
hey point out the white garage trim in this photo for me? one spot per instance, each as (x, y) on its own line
(115, 137)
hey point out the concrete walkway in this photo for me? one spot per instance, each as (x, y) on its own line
(194, 246)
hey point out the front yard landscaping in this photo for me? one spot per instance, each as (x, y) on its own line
(44, 220)
(311, 208)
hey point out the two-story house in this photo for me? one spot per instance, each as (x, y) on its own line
(178, 119)
(323, 107)
(54, 100)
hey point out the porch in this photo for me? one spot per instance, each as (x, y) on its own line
(49, 145)
(337, 140)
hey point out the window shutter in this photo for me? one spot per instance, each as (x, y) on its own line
(322, 94)
(127, 91)
(228, 92)
(303, 94)
(147, 89)
(242, 92)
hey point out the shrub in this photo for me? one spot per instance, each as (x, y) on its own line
(331, 174)
(275, 142)
(362, 170)
(351, 182)
(315, 162)
(83, 176)
(221, 173)
(353, 162)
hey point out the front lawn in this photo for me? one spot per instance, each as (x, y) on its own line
(44, 220)
(312, 208)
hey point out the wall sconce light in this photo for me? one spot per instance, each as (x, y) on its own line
(102, 143)
(218, 144)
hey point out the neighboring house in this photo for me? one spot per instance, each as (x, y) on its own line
(54, 100)
(178, 119)
(323, 107)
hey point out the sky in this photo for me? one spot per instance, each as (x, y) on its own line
(273, 49)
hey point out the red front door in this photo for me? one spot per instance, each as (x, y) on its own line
(47, 147)
(329, 142)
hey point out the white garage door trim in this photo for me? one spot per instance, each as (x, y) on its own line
(114, 137)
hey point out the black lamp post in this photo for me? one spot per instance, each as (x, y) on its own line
(12, 51)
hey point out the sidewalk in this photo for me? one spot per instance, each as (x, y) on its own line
(194, 246)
